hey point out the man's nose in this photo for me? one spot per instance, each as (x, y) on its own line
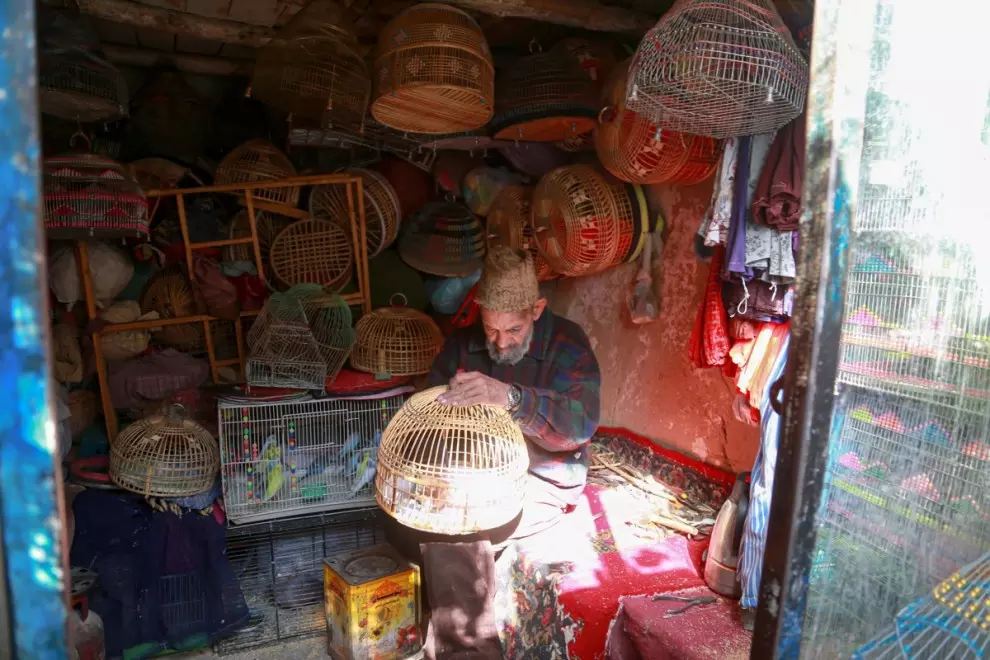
(503, 342)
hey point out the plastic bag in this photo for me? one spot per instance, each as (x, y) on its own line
(110, 268)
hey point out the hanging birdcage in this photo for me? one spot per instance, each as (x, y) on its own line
(545, 97)
(594, 56)
(78, 85)
(433, 72)
(451, 469)
(329, 319)
(282, 351)
(381, 208)
(313, 68)
(165, 455)
(314, 251)
(256, 161)
(443, 239)
(635, 150)
(170, 293)
(88, 195)
(509, 226)
(482, 184)
(584, 224)
(397, 341)
(719, 68)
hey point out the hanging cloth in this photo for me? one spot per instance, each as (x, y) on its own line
(710, 338)
(714, 229)
(735, 263)
(777, 201)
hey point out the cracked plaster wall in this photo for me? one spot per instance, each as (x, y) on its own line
(648, 384)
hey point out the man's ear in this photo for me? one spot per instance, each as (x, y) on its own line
(538, 308)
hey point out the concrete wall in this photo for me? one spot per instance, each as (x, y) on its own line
(649, 385)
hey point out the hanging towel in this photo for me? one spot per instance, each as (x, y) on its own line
(778, 194)
(710, 338)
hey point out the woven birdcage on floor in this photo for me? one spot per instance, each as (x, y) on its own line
(330, 321)
(382, 212)
(444, 239)
(594, 56)
(170, 293)
(433, 72)
(451, 469)
(509, 226)
(267, 224)
(313, 68)
(78, 85)
(254, 161)
(544, 97)
(169, 119)
(165, 455)
(88, 195)
(282, 351)
(314, 251)
(584, 224)
(633, 149)
(719, 68)
(397, 341)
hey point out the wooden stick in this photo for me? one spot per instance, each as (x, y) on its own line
(204, 65)
(109, 414)
(210, 352)
(363, 264)
(239, 338)
(643, 485)
(184, 226)
(675, 525)
(275, 207)
(152, 324)
(288, 182)
(221, 243)
(253, 225)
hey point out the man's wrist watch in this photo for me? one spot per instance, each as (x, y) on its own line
(514, 398)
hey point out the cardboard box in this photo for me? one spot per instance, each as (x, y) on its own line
(371, 599)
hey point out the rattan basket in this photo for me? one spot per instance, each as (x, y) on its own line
(268, 226)
(545, 97)
(312, 68)
(316, 251)
(381, 208)
(170, 293)
(433, 72)
(719, 68)
(258, 160)
(509, 226)
(451, 469)
(633, 149)
(88, 195)
(584, 223)
(165, 456)
(397, 341)
(443, 239)
(77, 85)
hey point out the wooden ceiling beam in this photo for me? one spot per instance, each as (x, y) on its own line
(586, 14)
(204, 65)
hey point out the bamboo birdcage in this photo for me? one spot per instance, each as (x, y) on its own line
(170, 293)
(255, 161)
(719, 68)
(635, 150)
(381, 208)
(444, 239)
(433, 72)
(544, 97)
(165, 456)
(92, 196)
(451, 469)
(267, 224)
(509, 226)
(78, 85)
(584, 224)
(314, 250)
(282, 350)
(330, 321)
(397, 341)
(313, 68)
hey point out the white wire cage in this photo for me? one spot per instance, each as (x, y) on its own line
(289, 458)
(282, 351)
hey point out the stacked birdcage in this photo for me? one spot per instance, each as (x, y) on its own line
(433, 72)
(381, 208)
(584, 224)
(87, 195)
(636, 150)
(329, 319)
(257, 161)
(545, 97)
(315, 251)
(169, 293)
(313, 68)
(78, 85)
(397, 341)
(282, 351)
(719, 68)
(509, 226)
(451, 469)
(443, 239)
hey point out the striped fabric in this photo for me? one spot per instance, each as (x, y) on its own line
(754, 540)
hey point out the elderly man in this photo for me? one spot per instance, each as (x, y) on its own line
(539, 367)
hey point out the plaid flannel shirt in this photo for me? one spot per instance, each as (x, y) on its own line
(560, 384)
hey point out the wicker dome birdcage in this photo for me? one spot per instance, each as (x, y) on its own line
(594, 56)
(719, 68)
(381, 208)
(451, 469)
(443, 239)
(396, 340)
(433, 72)
(633, 149)
(313, 68)
(544, 97)
(89, 195)
(509, 226)
(170, 293)
(78, 85)
(268, 226)
(314, 250)
(584, 223)
(258, 160)
(165, 456)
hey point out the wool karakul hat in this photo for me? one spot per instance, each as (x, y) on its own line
(508, 281)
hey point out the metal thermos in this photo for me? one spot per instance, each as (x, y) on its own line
(723, 551)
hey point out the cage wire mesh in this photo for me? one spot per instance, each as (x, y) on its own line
(381, 208)
(289, 458)
(279, 566)
(79, 85)
(282, 351)
(443, 239)
(719, 68)
(257, 161)
(330, 320)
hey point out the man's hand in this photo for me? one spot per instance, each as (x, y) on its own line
(472, 388)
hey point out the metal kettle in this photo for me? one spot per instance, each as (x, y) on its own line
(723, 550)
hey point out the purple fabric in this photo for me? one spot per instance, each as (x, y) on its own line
(735, 263)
